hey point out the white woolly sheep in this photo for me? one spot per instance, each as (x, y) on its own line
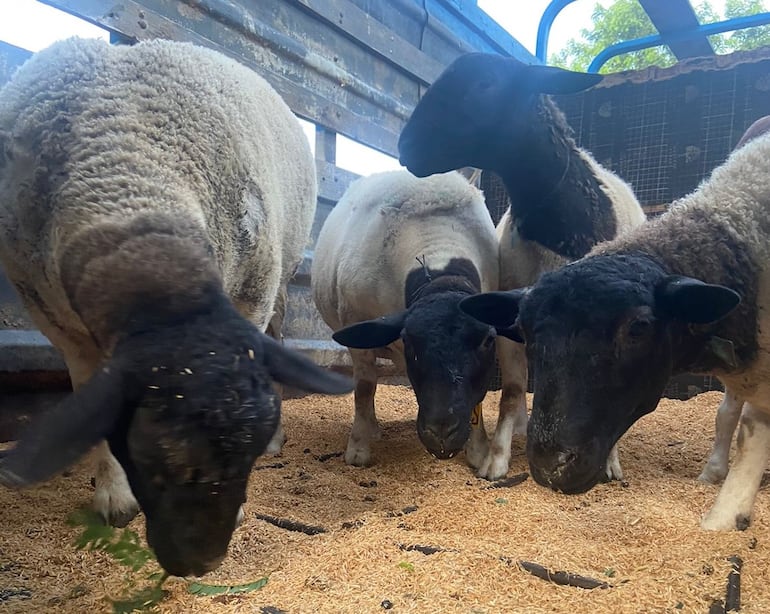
(393, 260)
(687, 292)
(154, 201)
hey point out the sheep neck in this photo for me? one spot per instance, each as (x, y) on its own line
(556, 199)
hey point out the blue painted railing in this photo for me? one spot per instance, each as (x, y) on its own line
(728, 25)
(556, 6)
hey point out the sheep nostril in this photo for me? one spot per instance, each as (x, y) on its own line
(565, 458)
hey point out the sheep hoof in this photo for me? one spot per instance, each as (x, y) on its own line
(276, 442)
(494, 467)
(712, 475)
(358, 457)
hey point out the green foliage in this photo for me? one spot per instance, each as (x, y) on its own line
(141, 601)
(406, 565)
(625, 20)
(748, 38)
(197, 588)
(124, 547)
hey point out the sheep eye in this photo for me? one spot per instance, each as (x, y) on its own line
(489, 340)
(639, 328)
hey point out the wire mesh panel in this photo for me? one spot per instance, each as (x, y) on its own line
(665, 130)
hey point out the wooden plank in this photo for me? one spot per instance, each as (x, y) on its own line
(313, 86)
(678, 16)
(325, 145)
(374, 36)
(332, 181)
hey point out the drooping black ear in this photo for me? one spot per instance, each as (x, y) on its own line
(691, 300)
(64, 434)
(372, 333)
(293, 369)
(498, 309)
(510, 332)
(553, 80)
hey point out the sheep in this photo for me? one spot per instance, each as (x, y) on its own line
(391, 263)
(154, 201)
(487, 111)
(687, 292)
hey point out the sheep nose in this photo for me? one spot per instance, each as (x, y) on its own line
(442, 439)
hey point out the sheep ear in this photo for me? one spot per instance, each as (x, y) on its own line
(498, 309)
(693, 301)
(64, 434)
(372, 333)
(553, 80)
(293, 369)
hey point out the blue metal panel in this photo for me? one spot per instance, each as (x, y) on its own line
(673, 17)
(544, 27)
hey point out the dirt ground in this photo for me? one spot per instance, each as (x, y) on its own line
(641, 537)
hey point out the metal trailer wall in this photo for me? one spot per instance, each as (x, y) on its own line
(352, 67)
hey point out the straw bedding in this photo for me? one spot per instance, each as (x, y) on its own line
(641, 537)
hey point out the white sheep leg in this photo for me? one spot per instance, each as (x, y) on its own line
(613, 469)
(113, 499)
(732, 508)
(513, 409)
(365, 427)
(274, 329)
(726, 420)
(477, 446)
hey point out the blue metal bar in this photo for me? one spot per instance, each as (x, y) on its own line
(544, 27)
(736, 23)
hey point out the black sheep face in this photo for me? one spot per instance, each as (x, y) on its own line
(603, 336)
(450, 359)
(187, 407)
(477, 110)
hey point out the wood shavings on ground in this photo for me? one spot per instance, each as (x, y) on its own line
(415, 534)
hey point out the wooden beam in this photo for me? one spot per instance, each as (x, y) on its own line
(677, 16)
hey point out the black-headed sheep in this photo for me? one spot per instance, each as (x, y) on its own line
(687, 292)
(490, 112)
(154, 201)
(393, 260)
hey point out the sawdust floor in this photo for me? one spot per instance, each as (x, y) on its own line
(642, 538)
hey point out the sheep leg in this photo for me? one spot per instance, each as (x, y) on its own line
(274, 329)
(477, 446)
(732, 508)
(513, 409)
(365, 427)
(113, 499)
(613, 470)
(726, 420)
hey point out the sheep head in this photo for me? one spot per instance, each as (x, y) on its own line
(477, 109)
(186, 408)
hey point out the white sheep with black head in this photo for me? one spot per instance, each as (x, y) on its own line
(392, 262)
(154, 201)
